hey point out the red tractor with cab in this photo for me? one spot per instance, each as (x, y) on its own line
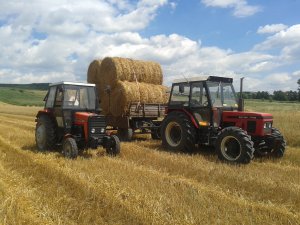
(205, 111)
(71, 118)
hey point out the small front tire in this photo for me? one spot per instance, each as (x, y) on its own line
(273, 145)
(113, 147)
(70, 149)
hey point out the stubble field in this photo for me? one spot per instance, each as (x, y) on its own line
(145, 184)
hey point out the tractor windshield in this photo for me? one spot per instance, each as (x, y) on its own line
(79, 97)
(222, 94)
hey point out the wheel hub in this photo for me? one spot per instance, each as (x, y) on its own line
(231, 148)
(173, 134)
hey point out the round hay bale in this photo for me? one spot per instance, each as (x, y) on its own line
(114, 69)
(93, 74)
(126, 92)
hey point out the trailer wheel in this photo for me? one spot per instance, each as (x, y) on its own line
(45, 135)
(113, 147)
(70, 149)
(124, 134)
(178, 133)
(274, 145)
(155, 134)
(234, 145)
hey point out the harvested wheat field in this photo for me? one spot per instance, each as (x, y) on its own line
(144, 185)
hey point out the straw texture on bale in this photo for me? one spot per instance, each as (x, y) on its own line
(93, 74)
(126, 92)
(122, 69)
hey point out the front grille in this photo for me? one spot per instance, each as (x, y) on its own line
(251, 126)
(97, 124)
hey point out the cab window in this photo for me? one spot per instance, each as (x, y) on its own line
(198, 95)
(50, 97)
(180, 94)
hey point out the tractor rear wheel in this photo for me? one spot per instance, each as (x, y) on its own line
(45, 133)
(178, 132)
(70, 149)
(113, 148)
(234, 145)
(274, 145)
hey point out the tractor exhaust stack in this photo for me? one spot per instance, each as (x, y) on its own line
(241, 100)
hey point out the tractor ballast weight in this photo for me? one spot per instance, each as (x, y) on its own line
(71, 119)
(205, 111)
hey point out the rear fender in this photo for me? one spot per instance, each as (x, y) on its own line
(44, 112)
(188, 114)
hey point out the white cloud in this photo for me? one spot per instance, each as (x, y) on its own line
(241, 8)
(173, 5)
(296, 73)
(272, 28)
(287, 37)
(54, 42)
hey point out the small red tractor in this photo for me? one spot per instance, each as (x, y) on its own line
(205, 111)
(71, 118)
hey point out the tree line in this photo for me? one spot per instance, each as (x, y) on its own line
(277, 95)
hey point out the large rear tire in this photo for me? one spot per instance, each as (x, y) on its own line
(273, 145)
(234, 145)
(178, 132)
(70, 149)
(45, 133)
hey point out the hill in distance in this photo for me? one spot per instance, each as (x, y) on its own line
(23, 94)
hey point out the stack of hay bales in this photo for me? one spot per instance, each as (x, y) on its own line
(93, 71)
(129, 81)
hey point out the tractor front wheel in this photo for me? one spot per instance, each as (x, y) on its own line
(234, 145)
(45, 133)
(70, 149)
(178, 132)
(274, 145)
(113, 147)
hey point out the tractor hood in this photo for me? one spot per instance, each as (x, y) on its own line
(227, 115)
(82, 117)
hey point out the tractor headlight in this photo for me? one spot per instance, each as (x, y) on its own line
(102, 130)
(268, 125)
(93, 130)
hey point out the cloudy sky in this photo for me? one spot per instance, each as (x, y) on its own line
(54, 40)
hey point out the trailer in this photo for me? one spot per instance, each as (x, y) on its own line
(139, 118)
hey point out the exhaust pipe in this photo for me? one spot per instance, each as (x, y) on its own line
(241, 100)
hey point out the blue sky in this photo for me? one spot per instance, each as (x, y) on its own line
(53, 40)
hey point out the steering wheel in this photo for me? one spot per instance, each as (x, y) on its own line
(195, 102)
(205, 103)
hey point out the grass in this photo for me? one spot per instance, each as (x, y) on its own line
(145, 184)
(22, 97)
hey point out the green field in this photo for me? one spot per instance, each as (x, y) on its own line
(22, 96)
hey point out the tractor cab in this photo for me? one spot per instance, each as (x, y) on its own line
(71, 118)
(65, 99)
(204, 97)
(205, 111)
